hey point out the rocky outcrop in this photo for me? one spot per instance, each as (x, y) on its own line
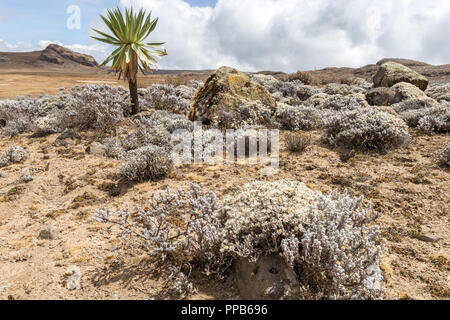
(391, 73)
(56, 54)
(224, 91)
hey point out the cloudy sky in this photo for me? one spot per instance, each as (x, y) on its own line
(252, 35)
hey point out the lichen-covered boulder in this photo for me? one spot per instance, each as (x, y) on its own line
(391, 73)
(224, 91)
(405, 91)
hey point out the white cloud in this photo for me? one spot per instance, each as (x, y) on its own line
(299, 34)
(18, 46)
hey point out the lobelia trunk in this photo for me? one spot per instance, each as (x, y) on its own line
(134, 97)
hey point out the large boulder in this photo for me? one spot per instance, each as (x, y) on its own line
(391, 73)
(406, 91)
(224, 91)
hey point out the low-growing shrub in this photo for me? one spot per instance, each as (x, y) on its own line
(13, 154)
(327, 240)
(439, 91)
(340, 252)
(337, 88)
(170, 98)
(365, 129)
(297, 143)
(18, 115)
(298, 117)
(428, 119)
(146, 163)
(339, 102)
(98, 107)
(178, 230)
(113, 148)
(304, 77)
(251, 113)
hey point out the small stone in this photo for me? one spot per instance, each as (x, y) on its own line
(73, 280)
(96, 148)
(428, 238)
(49, 233)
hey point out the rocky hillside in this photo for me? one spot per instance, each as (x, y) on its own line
(52, 57)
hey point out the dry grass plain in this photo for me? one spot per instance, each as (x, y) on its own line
(15, 83)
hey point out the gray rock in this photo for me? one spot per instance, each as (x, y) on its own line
(68, 134)
(96, 148)
(49, 233)
(73, 278)
(380, 96)
(270, 278)
(428, 238)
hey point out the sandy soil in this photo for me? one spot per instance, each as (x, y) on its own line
(410, 191)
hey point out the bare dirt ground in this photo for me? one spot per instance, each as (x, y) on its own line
(410, 191)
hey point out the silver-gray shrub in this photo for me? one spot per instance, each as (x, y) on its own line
(178, 230)
(258, 217)
(114, 148)
(341, 252)
(429, 119)
(250, 113)
(305, 92)
(298, 117)
(439, 91)
(329, 240)
(18, 115)
(413, 104)
(82, 107)
(13, 154)
(146, 163)
(170, 98)
(365, 129)
(339, 102)
(98, 107)
(168, 120)
(443, 156)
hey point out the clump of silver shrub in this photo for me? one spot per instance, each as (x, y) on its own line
(328, 239)
(179, 247)
(12, 155)
(83, 107)
(146, 163)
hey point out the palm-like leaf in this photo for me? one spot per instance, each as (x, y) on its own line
(129, 33)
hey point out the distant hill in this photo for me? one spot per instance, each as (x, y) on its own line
(54, 57)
